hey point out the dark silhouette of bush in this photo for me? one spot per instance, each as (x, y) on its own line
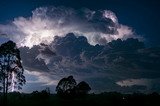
(67, 87)
(44, 94)
(82, 88)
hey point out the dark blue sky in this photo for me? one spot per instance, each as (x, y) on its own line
(142, 15)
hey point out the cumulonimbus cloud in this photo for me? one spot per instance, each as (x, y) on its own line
(99, 27)
(121, 65)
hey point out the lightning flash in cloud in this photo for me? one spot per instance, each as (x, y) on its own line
(48, 22)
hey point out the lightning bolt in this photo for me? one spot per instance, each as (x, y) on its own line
(13, 84)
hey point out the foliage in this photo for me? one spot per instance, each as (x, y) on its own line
(11, 70)
(44, 94)
(82, 88)
(67, 87)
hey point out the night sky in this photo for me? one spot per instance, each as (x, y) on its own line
(111, 44)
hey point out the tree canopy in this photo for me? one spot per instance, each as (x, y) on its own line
(11, 70)
(68, 87)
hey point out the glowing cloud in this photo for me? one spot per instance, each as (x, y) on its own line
(48, 22)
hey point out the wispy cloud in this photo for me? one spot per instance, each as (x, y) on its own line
(39, 78)
(131, 82)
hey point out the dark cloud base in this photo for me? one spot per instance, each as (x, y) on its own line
(100, 65)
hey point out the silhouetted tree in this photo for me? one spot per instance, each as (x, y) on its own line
(11, 70)
(66, 86)
(82, 88)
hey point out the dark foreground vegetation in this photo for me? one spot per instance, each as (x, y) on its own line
(44, 98)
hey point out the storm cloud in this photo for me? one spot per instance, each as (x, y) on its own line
(120, 65)
(93, 46)
(99, 27)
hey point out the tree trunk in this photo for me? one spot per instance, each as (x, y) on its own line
(4, 92)
(6, 98)
(6, 84)
(4, 87)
